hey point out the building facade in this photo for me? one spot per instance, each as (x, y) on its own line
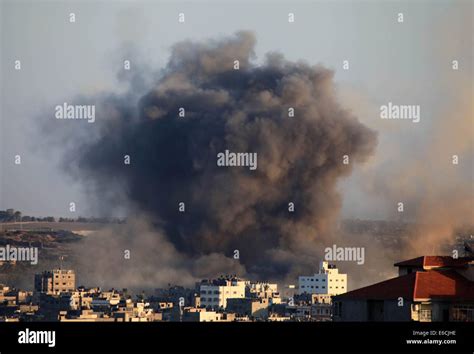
(55, 281)
(214, 293)
(328, 281)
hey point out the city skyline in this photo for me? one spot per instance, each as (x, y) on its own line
(305, 167)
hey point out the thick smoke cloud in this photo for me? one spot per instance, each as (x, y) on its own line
(173, 159)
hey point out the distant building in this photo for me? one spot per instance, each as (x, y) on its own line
(194, 314)
(263, 290)
(55, 282)
(255, 308)
(327, 282)
(85, 316)
(214, 293)
(177, 294)
(321, 299)
(428, 289)
(321, 312)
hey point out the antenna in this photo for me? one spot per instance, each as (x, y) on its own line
(61, 259)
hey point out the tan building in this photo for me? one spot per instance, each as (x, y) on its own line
(263, 290)
(193, 314)
(250, 307)
(55, 281)
(214, 293)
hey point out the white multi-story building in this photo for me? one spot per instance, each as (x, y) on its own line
(214, 293)
(328, 281)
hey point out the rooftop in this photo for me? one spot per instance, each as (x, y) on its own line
(432, 284)
(435, 262)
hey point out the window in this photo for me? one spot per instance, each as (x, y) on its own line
(338, 309)
(425, 315)
(464, 313)
(203, 291)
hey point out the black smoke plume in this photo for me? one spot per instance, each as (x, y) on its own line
(173, 159)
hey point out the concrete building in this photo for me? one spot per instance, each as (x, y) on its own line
(214, 293)
(255, 308)
(194, 314)
(321, 312)
(55, 282)
(85, 316)
(263, 290)
(328, 281)
(428, 289)
(321, 299)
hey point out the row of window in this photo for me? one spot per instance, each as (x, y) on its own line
(312, 279)
(216, 292)
(210, 299)
(323, 287)
(322, 311)
(312, 287)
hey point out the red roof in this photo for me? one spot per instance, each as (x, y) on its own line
(447, 284)
(435, 261)
(389, 289)
(433, 284)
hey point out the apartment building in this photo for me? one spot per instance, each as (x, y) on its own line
(55, 281)
(328, 281)
(214, 293)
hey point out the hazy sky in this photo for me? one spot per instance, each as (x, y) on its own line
(404, 63)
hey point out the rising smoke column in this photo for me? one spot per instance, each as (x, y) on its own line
(173, 159)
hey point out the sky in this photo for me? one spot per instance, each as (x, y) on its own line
(404, 63)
